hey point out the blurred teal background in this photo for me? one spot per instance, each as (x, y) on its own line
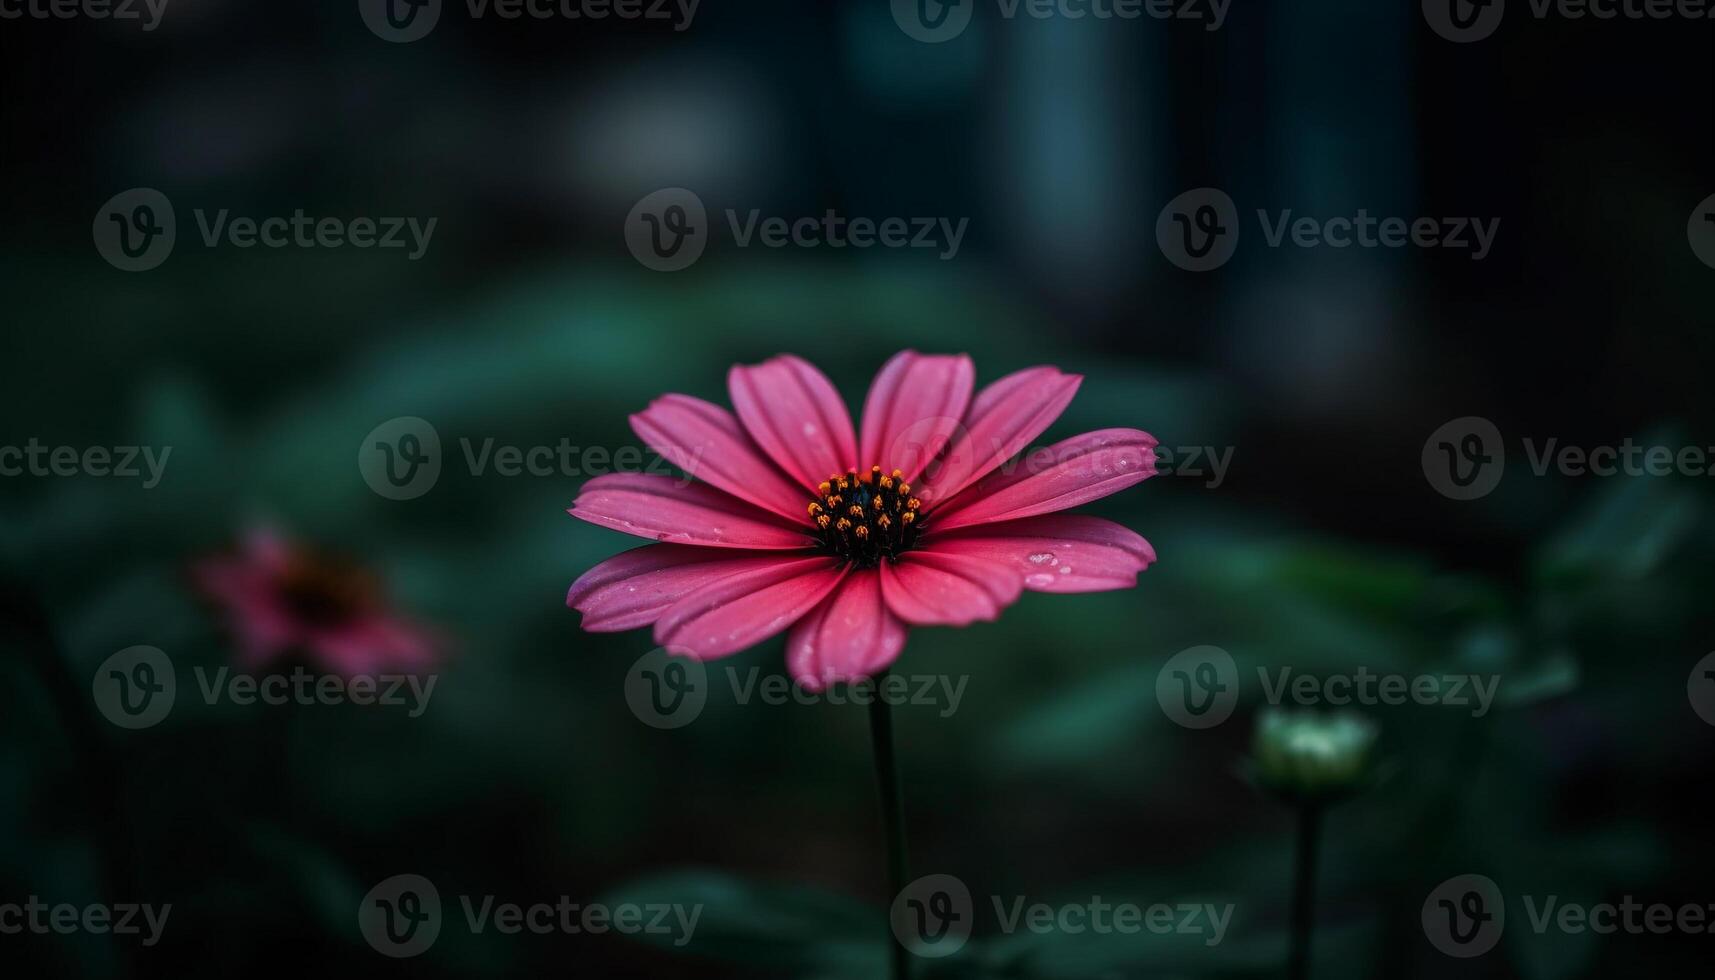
(1324, 547)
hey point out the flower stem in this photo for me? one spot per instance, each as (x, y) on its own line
(892, 815)
(1304, 890)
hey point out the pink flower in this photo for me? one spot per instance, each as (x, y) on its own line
(281, 598)
(922, 519)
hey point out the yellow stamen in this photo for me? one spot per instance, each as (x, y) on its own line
(843, 524)
(815, 508)
(862, 531)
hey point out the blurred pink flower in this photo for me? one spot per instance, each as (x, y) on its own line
(847, 538)
(281, 598)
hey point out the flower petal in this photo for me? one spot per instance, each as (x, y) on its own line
(930, 589)
(707, 442)
(1003, 419)
(676, 511)
(634, 588)
(735, 612)
(1066, 474)
(914, 406)
(851, 635)
(795, 414)
(1054, 552)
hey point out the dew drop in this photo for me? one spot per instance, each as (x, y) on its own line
(1041, 558)
(1039, 580)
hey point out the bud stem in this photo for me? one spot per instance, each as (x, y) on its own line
(1304, 890)
(892, 815)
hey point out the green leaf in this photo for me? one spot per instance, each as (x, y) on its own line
(766, 925)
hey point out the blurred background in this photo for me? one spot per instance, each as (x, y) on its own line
(1317, 373)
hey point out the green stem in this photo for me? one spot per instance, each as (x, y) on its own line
(1304, 891)
(892, 815)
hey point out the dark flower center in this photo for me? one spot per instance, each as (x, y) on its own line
(864, 519)
(322, 591)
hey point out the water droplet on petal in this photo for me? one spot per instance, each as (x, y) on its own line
(1041, 558)
(1039, 580)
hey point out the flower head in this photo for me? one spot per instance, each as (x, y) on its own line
(282, 598)
(1308, 757)
(921, 517)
